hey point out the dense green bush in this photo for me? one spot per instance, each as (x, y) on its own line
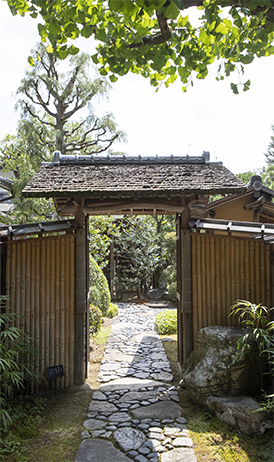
(99, 293)
(112, 310)
(166, 322)
(172, 291)
(95, 319)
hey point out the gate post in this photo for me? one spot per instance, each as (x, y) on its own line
(80, 301)
(184, 295)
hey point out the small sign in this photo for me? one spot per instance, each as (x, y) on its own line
(53, 372)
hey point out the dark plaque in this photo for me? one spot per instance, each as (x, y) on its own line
(53, 372)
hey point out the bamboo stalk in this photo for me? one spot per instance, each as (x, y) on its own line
(12, 300)
(262, 274)
(252, 272)
(37, 301)
(199, 283)
(223, 280)
(62, 244)
(72, 309)
(203, 280)
(57, 307)
(269, 288)
(194, 287)
(233, 272)
(207, 283)
(67, 311)
(213, 279)
(217, 241)
(257, 248)
(42, 307)
(247, 271)
(22, 293)
(227, 321)
(52, 310)
(28, 285)
(47, 307)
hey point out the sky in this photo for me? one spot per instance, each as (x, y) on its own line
(236, 129)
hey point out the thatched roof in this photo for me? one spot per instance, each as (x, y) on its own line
(122, 177)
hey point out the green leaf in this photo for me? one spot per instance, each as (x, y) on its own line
(246, 59)
(113, 78)
(87, 31)
(206, 39)
(222, 29)
(115, 5)
(171, 11)
(54, 27)
(95, 58)
(101, 35)
(234, 88)
(247, 85)
(31, 61)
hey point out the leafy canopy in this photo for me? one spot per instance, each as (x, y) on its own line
(156, 38)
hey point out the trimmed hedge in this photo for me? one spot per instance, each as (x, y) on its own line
(166, 322)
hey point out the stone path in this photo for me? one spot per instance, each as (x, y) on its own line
(136, 408)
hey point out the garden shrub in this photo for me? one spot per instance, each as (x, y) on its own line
(17, 361)
(99, 293)
(166, 322)
(257, 319)
(172, 291)
(112, 310)
(95, 319)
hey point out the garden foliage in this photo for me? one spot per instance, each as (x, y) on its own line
(166, 322)
(99, 293)
(256, 318)
(17, 361)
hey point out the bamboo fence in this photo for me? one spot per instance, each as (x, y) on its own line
(40, 284)
(225, 269)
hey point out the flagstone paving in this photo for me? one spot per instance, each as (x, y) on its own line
(136, 408)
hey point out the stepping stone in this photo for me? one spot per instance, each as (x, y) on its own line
(161, 410)
(98, 395)
(146, 337)
(102, 406)
(138, 395)
(98, 450)
(129, 383)
(179, 455)
(129, 438)
(93, 424)
(164, 376)
(182, 441)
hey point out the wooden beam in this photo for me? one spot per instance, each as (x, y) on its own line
(132, 206)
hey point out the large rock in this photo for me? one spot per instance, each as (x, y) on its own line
(214, 369)
(241, 412)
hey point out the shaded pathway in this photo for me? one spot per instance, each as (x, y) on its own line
(136, 408)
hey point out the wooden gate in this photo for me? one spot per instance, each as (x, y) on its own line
(225, 269)
(40, 284)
